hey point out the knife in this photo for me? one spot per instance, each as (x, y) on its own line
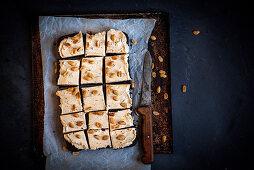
(145, 110)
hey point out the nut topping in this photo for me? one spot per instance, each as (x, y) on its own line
(119, 74)
(78, 136)
(72, 63)
(184, 88)
(75, 115)
(164, 138)
(123, 104)
(111, 114)
(153, 37)
(116, 92)
(112, 120)
(97, 137)
(156, 113)
(113, 37)
(158, 89)
(154, 74)
(105, 137)
(121, 122)
(106, 70)
(160, 59)
(67, 44)
(98, 113)
(82, 68)
(115, 57)
(90, 131)
(71, 125)
(75, 41)
(94, 92)
(132, 85)
(134, 41)
(97, 124)
(74, 68)
(152, 65)
(165, 96)
(120, 137)
(84, 93)
(74, 50)
(88, 108)
(112, 75)
(98, 43)
(80, 123)
(73, 107)
(115, 98)
(87, 44)
(78, 95)
(111, 63)
(84, 60)
(91, 62)
(75, 91)
(79, 49)
(195, 32)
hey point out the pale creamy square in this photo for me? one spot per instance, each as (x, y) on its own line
(98, 120)
(70, 100)
(73, 122)
(95, 44)
(71, 46)
(93, 98)
(116, 42)
(77, 139)
(118, 96)
(122, 138)
(69, 72)
(91, 70)
(117, 68)
(98, 138)
(120, 119)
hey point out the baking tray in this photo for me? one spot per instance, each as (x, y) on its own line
(162, 124)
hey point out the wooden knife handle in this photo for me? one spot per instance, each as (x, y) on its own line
(147, 134)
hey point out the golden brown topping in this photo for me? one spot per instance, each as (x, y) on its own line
(75, 153)
(90, 75)
(132, 84)
(98, 43)
(94, 92)
(111, 114)
(154, 74)
(115, 126)
(120, 137)
(163, 75)
(152, 65)
(91, 37)
(97, 124)
(74, 92)
(79, 49)
(97, 137)
(78, 136)
(111, 63)
(195, 32)
(74, 68)
(75, 115)
(87, 44)
(112, 120)
(72, 63)
(78, 95)
(112, 75)
(75, 41)
(184, 88)
(80, 123)
(160, 59)
(70, 89)
(162, 72)
(108, 43)
(165, 96)
(115, 92)
(88, 108)
(91, 62)
(84, 147)
(65, 73)
(64, 148)
(84, 60)
(105, 137)
(106, 70)
(156, 113)
(158, 89)
(98, 113)
(113, 37)
(134, 42)
(82, 68)
(164, 138)
(84, 93)
(121, 122)
(153, 37)
(115, 57)
(90, 131)
(74, 50)
(71, 125)
(67, 44)
(123, 104)
(115, 98)
(73, 107)
(119, 74)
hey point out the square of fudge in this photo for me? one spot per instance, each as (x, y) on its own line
(77, 139)
(70, 100)
(117, 68)
(71, 46)
(93, 98)
(91, 70)
(69, 72)
(120, 119)
(98, 138)
(95, 44)
(73, 122)
(116, 42)
(98, 120)
(123, 137)
(118, 96)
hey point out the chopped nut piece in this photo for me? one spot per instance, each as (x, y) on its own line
(154, 74)
(78, 136)
(98, 124)
(123, 104)
(165, 96)
(75, 153)
(75, 91)
(112, 75)
(71, 125)
(65, 73)
(91, 62)
(105, 137)
(84, 93)
(82, 68)
(67, 44)
(120, 137)
(98, 113)
(112, 120)
(132, 84)
(119, 74)
(97, 137)
(70, 89)
(111, 114)
(164, 138)
(64, 148)
(75, 41)
(184, 88)
(88, 108)
(87, 44)
(111, 63)
(160, 59)
(115, 98)
(113, 37)
(153, 37)
(115, 57)
(108, 43)
(195, 32)
(152, 65)
(121, 122)
(94, 92)
(98, 43)
(106, 70)
(72, 63)
(73, 107)
(156, 113)
(75, 115)
(80, 123)
(163, 75)
(134, 42)
(90, 131)
(84, 60)
(158, 89)
(162, 72)
(75, 50)
(74, 68)
(115, 92)
(90, 75)
(78, 95)
(79, 49)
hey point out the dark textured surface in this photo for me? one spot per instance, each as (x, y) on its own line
(212, 123)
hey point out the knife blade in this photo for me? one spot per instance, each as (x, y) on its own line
(145, 110)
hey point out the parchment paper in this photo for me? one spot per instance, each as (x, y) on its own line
(51, 28)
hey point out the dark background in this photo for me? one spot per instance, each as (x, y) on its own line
(213, 124)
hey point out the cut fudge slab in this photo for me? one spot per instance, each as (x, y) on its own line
(69, 72)
(71, 46)
(117, 68)
(116, 42)
(93, 98)
(70, 100)
(98, 138)
(91, 70)
(73, 122)
(77, 139)
(95, 44)
(98, 120)
(122, 138)
(120, 119)
(118, 96)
